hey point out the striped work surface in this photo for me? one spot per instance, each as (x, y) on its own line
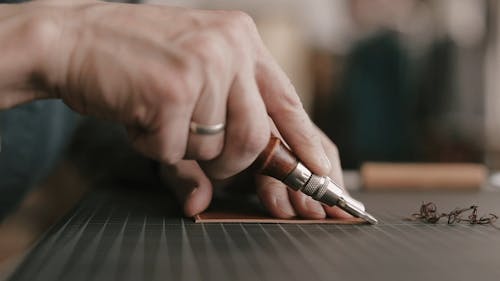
(124, 235)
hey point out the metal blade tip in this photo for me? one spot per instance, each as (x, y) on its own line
(369, 218)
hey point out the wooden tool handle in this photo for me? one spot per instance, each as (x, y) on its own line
(413, 176)
(276, 160)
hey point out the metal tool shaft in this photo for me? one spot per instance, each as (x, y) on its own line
(278, 161)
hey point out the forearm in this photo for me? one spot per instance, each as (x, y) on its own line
(26, 34)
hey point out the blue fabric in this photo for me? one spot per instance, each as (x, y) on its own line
(33, 138)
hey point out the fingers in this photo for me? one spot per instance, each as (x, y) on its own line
(210, 110)
(305, 206)
(274, 196)
(332, 152)
(247, 130)
(284, 107)
(335, 174)
(190, 185)
(211, 105)
(336, 212)
(278, 198)
(160, 143)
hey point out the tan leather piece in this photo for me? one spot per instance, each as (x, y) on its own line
(240, 211)
(219, 217)
(423, 176)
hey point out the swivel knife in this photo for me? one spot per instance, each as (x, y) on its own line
(277, 161)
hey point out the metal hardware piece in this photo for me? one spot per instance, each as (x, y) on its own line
(326, 191)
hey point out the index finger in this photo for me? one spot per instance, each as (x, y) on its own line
(285, 109)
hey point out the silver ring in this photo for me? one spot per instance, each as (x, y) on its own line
(202, 129)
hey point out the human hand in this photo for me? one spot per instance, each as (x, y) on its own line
(157, 68)
(171, 66)
(194, 189)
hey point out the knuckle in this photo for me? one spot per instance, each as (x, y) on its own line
(210, 55)
(169, 157)
(335, 149)
(180, 95)
(240, 28)
(40, 29)
(193, 19)
(203, 45)
(179, 90)
(249, 143)
(168, 152)
(207, 48)
(140, 116)
(189, 74)
(147, 146)
(252, 141)
(207, 53)
(291, 105)
(290, 97)
(221, 173)
(207, 152)
(242, 20)
(213, 169)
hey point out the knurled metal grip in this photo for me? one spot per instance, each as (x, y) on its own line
(313, 185)
(277, 161)
(321, 191)
(320, 188)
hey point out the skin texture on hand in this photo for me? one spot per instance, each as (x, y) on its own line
(25, 36)
(157, 68)
(170, 66)
(194, 189)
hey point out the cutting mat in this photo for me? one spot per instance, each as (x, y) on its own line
(124, 235)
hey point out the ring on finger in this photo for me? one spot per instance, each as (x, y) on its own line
(203, 129)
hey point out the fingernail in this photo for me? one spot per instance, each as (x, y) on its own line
(184, 191)
(325, 162)
(191, 191)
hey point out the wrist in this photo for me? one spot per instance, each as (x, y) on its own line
(65, 22)
(27, 32)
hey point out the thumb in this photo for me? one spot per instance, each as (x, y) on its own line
(190, 185)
